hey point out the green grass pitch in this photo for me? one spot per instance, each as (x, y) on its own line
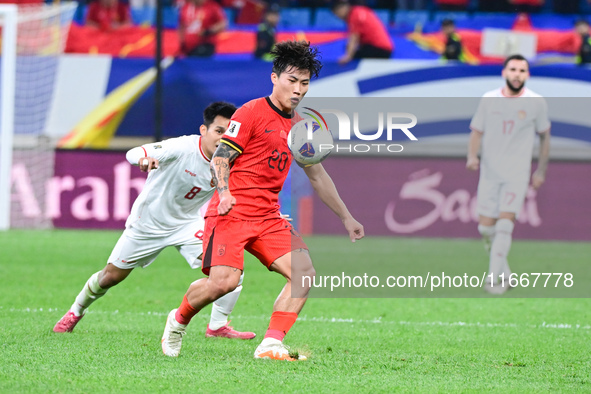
(354, 344)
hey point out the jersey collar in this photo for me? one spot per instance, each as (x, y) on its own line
(274, 108)
(201, 151)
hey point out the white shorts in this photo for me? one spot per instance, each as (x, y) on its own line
(495, 197)
(136, 249)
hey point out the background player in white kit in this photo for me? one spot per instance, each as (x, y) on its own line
(167, 213)
(505, 124)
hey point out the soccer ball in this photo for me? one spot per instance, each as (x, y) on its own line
(309, 152)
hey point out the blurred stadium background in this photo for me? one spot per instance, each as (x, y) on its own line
(96, 91)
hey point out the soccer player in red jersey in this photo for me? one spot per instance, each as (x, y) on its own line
(368, 37)
(108, 14)
(249, 168)
(200, 22)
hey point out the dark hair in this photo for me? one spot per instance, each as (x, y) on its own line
(581, 22)
(221, 108)
(297, 54)
(515, 57)
(447, 23)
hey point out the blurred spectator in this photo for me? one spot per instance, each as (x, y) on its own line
(200, 22)
(108, 14)
(266, 33)
(529, 6)
(582, 29)
(249, 12)
(368, 37)
(410, 4)
(493, 6)
(452, 5)
(453, 43)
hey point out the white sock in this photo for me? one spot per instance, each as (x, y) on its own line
(222, 307)
(89, 294)
(488, 235)
(500, 248)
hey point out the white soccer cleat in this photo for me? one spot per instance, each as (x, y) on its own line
(172, 338)
(274, 349)
(497, 288)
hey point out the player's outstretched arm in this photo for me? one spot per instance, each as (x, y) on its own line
(473, 162)
(539, 176)
(137, 157)
(220, 170)
(327, 191)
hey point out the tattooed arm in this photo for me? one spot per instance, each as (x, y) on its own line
(220, 171)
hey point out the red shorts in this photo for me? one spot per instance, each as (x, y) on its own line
(226, 238)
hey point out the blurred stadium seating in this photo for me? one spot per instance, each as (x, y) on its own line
(145, 16)
(325, 19)
(456, 16)
(384, 15)
(399, 20)
(300, 18)
(312, 21)
(408, 19)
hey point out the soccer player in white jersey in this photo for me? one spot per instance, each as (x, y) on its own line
(167, 213)
(505, 124)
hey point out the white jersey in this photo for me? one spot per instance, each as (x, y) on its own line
(175, 192)
(509, 126)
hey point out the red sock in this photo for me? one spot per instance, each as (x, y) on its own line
(280, 324)
(185, 312)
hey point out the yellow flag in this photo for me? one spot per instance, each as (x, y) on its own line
(97, 128)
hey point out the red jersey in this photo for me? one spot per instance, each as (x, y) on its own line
(196, 19)
(20, 2)
(371, 30)
(258, 130)
(106, 16)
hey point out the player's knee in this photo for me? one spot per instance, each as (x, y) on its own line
(307, 279)
(504, 226)
(300, 266)
(302, 282)
(221, 287)
(309, 271)
(241, 279)
(111, 276)
(486, 231)
(110, 281)
(304, 273)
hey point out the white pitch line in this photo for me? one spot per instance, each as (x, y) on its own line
(446, 324)
(323, 319)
